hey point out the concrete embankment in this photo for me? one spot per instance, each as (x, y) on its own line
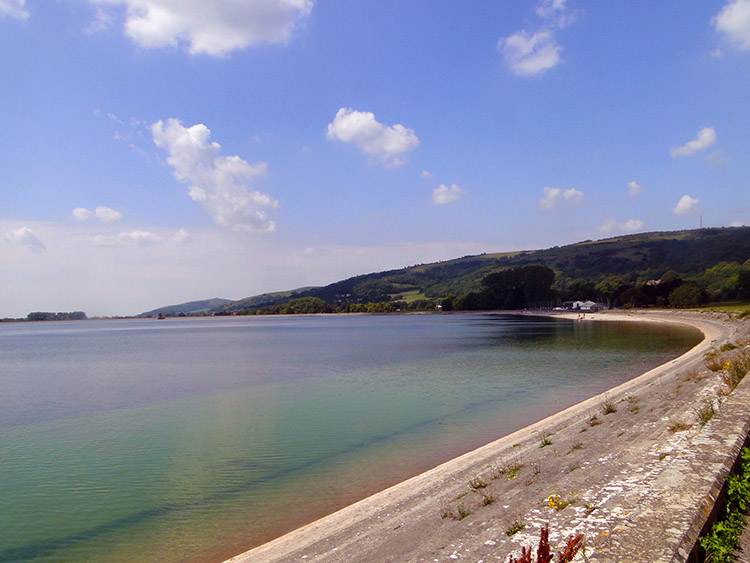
(635, 470)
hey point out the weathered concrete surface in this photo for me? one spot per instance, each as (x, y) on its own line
(639, 491)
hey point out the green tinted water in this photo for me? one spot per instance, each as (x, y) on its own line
(197, 439)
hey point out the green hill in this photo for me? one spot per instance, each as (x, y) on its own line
(621, 270)
(188, 309)
(630, 260)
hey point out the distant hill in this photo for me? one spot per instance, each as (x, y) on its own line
(191, 308)
(633, 259)
(710, 258)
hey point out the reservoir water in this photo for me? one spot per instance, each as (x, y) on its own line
(196, 439)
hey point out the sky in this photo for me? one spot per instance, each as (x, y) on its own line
(154, 152)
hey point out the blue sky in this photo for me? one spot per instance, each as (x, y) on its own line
(160, 151)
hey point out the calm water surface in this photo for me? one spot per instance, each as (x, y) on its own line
(195, 439)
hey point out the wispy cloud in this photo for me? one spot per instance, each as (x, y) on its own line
(15, 9)
(613, 226)
(218, 183)
(734, 21)
(386, 145)
(533, 53)
(212, 28)
(554, 196)
(103, 213)
(443, 195)
(706, 138)
(24, 236)
(634, 190)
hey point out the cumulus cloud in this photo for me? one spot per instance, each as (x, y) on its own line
(24, 237)
(734, 21)
(13, 9)
(387, 145)
(218, 183)
(532, 53)
(104, 214)
(81, 214)
(634, 189)
(686, 205)
(706, 137)
(611, 225)
(554, 196)
(213, 28)
(443, 194)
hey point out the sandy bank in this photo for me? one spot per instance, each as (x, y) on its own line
(637, 488)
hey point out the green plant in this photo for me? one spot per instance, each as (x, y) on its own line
(487, 499)
(705, 412)
(463, 512)
(608, 406)
(477, 483)
(561, 502)
(546, 441)
(722, 539)
(576, 446)
(736, 369)
(678, 425)
(514, 527)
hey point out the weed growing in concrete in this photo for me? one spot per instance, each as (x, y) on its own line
(487, 499)
(477, 483)
(736, 369)
(463, 512)
(608, 406)
(514, 527)
(546, 441)
(705, 412)
(594, 420)
(561, 502)
(678, 425)
(576, 446)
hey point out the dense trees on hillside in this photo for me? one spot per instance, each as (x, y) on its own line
(43, 316)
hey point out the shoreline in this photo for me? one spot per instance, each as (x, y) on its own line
(408, 520)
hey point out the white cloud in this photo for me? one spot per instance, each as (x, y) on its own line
(217, 182)
(611, 225)
(529, 54)
(426, 175)
(81, 214)
(106, 214)
(182, 236)
(443, 194)
(13, 9)
(737, 224)
(554, 196)
(734, 21)
(213, 28)
(24, 237)
(706, 137)
(686, 205)
(634, 189)
(387, 145)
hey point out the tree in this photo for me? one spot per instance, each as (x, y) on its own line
(686, 296)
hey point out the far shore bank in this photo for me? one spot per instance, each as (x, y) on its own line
(633, 481)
